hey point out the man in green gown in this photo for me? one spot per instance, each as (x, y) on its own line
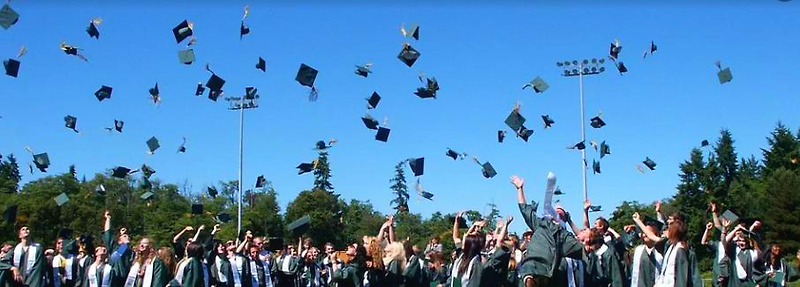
(25, 261)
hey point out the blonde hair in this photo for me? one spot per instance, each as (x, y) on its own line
(396, 252)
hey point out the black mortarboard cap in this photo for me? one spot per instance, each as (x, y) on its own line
(100, 190)
(649, 163)
(383, 134)
(417, 166)
(615, 49)
(596, 166)
(243, 30)
(12, 67)
(558, 191)
(10, 214)
(452, 154)
(604, 149)
(197, 208)
(42, 161)
(653, 47)
(704, 143)
(182, 31)
(305, 167)
(370, 122)
(413, 32)
(725, 75)
(427, 195)
(103, 93)
(548, 122)
(621, 67)
(147, 171)
(488, 170)
(595, 208)
(154, 90)
(70, 122)
(650, 221)
(65, 233)
(261, 181)
(223, 218)
(147, 195)
(363, 71)
(92, 31)
(8, 17)
(300, 225)
(579, 145)
(429, 91)
(515, 120)
(525, 133)
(373, 100)
(186, 57)
(61, 199)
(120, 172)
(501, 135)
(215, 83)
(212, 191)
(153, 145)
(306, 75)
(538, 85)
(275, 244)
(200, 89)
(597, 122)
(462, 223)
(408, 55)
(118, 125)
(261, 65)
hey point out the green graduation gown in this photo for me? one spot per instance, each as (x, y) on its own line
(605, 269)
(491, 272)
(413, 272)
(719, 259)
(394, 277)
(646, 273)
(120, 258)
(549, 243)
(193, 274)
(351, 275)
(33, 277)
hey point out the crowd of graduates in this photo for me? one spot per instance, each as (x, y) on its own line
(554, 251)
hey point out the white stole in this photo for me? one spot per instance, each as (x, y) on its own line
(254, 273)
(285, 263)
(599, 253)
(264, 257)
(134, 273)
(30, 253)
(637, 259)
(220, 274)
(237, 266)
(179, 273)
(667, 277)
(720, 252)
(466, 276)
(105, 281)
(571, 280)
(740, 271)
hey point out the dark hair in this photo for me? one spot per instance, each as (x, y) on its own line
(602, 219)
(473, 245)
(678, 216)
(361, 256)
(677, 231)
(409, 249)
(194, 250)
(596, 237)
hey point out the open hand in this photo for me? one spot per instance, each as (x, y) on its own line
(713, 206)
(517, 181)
(658, 206)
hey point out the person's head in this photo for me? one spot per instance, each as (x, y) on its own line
(5, 248)
(360, 257)
(307, 243)
(473, 245)
(601, 224)
(513, 240)
(230, 247)
(290, 251)
(775, 249)
(394, 250)
(351, 250)
(258, 242)
(409, 249)
(677, 231)
(59, 245)
(49, 254)
(585, 236)
(654, 229)
(526, 236)
(435, 260)
(145, 246)
(100, 254)
(219, 247)
(194, 250)
(595, 239)
(675, 216)
(253, 251)
(167, 256)
(312, 254)
(329, 248)
(435, 240)
(375, 251)
(124, 237)
(24, 233)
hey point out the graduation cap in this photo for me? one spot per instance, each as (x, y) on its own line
(147, 171)
(72, 51)
(595, 208)
(488, 170)
(373, 100)
(430, 89)
(558, 191)
(118, 125)
(10, 214)
(275, 243)
(581, 145)
(724, 75)
(182, 31)
(182, 147)
(652, 49)
(222, 218)
(147, 195)
(42, 161)
(306, 75)
(103, 93)
(649, 163)
(370, 122)
(306, 167)
(92, 29)
(408, 55)
(650, 221)
(61, 199)
(515, 120)
(604, 149)
(12, 67)
(120, 172)
(100, 190)
(453, 154)
(65, 233)
(597, 122)
(70, 122)
(383, 134)
(413, 31)
(261, 65)
(729, 216)
(8, 17)
(212, 191)
(197, 208)
(243, 29)
(500, 136)
(462, 223)
(525, 133)
(596, 166)
(322, 145)
(261, 181)
(621, 67)
(152, 145)
(186, 57)
(155, 94)
(200, 89)
(300, 225)
(364, 70)
(616, 47)
(548, 122)
(214, 84)
(538, 85)
(417, 165)
(704, 143)
(421, 191)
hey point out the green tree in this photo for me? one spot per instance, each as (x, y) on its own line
(690, 200)
(9, 175)
(322, 173)
(359, 219)
(747, 192)
(784, 206)
(324, 209)
(263, 216)
(726, 158)
(623, 214)
(783, 146)
(399, 188)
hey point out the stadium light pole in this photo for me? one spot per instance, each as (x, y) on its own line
(248, 101)
(582, 68)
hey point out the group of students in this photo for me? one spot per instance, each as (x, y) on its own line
(554, 251)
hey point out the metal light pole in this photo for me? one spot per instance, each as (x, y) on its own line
(248, 101)
(581, 68)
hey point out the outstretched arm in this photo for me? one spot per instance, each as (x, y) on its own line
(107, 224)
(586, 205)
(391, 229)
(652, 236)
(704, 240)
(197, 234)
(456, 238)
(180, 234)
(659, 215)
(715, 215)
(247, 237)
(384, 229)
(519, 184)
(731, 234)
(502, 233)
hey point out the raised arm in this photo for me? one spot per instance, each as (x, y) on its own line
(566, 217)
(704, 240)
(300, 245)
(502, 232)
(731, 234)
(180, 234)
(247, 237)
(384, 229)
(715, 215)
(197, 234)
(659, 216)
(586, 205)
(391, 229)
(107, 224)
(456, 238)
(647, 232)
(519, 184)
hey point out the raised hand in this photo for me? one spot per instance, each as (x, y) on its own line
(107, 214)
(636, 216)
(658, 205)
(629, 228)
(509, 220)
(713, 206)
(709, 226)
(201, 227)
(517, 181)
(188, 228)
(587, 204)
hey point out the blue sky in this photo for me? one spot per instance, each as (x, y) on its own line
(481, 54)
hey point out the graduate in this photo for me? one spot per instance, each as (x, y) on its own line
(121, 254)
(288, 266)
(195, 273)
(778, 272)
(603, 266)
(412, 273)
(743, 254)
(548, 244)
(311, 275)
(65, 266)
(352, 273)
(258, 271)
(394, 258)
(217, 260)
(5, 275)
(719, 257)
(647, 257)
(240, 270)
(85, 258)
(471, 270)
(25, 262)
(148, 269)
(99, 272)
(675, 267)
(265, 256)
